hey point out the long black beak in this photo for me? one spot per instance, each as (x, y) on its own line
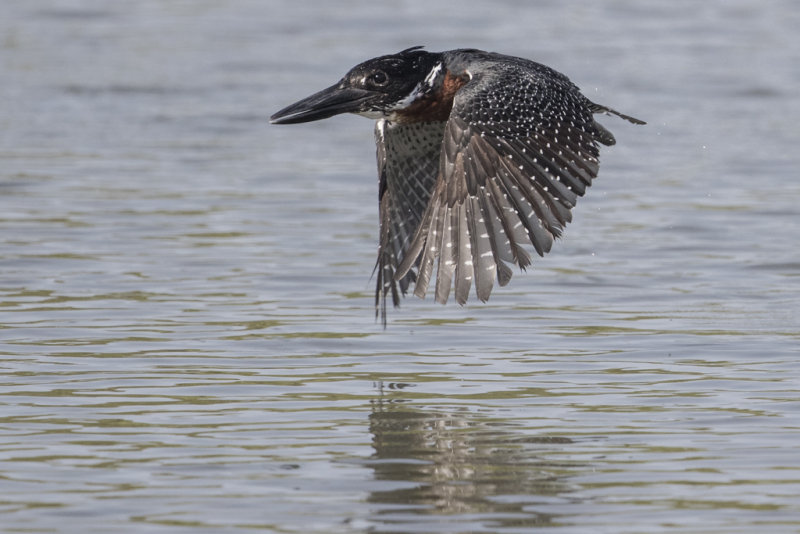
(326, 103)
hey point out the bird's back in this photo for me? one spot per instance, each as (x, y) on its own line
(519, 147)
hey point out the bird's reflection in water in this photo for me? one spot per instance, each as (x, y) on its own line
(461, 465)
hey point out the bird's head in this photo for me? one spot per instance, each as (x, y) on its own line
(374, 89)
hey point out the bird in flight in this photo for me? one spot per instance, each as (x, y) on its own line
(480, 157)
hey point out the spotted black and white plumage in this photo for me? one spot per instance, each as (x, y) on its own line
(408, 164)
(481, 156)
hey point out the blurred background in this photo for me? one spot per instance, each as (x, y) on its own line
(186, 318)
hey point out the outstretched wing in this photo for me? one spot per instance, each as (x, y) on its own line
(519, 148)
(408, 162)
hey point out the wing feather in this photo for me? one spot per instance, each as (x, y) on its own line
(512, 167)
(446, 269)
(464, 264)
(408, 164)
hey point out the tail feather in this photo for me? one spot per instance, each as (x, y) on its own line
(597, 108)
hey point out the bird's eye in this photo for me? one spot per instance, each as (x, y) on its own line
(378, 78)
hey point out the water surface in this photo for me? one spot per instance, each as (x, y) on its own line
(187, 334)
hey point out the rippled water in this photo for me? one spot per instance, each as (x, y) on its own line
(186, 322)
